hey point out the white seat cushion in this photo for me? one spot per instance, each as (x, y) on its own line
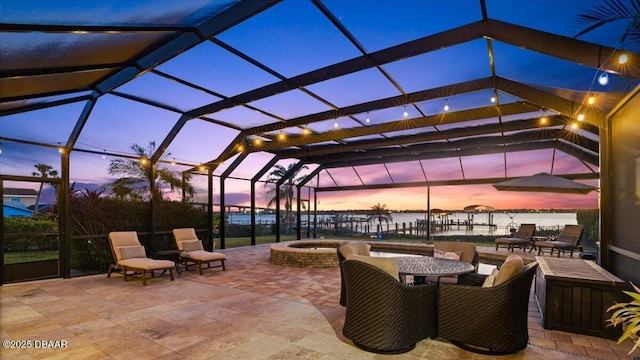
(202, 255)
(147, 264)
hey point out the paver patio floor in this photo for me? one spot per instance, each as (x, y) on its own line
(254, 310)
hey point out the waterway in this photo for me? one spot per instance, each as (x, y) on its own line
(458, 221)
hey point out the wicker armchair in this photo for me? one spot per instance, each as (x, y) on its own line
(488, 320)
(360, 248)
(384, 315)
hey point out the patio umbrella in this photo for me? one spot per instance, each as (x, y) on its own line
(544, 182)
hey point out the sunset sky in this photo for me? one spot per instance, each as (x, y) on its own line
(292, 38)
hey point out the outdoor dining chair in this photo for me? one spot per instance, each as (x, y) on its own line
(193, 252)
(130, 255)
(519, 239)
(384, 315)
(344, 250)
(488, 317)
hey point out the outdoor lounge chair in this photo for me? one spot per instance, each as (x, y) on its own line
(519, 239)
(193, 252)
(384, 315)
(130, 255)
(567, 240)
(359, 248)
(488, 320)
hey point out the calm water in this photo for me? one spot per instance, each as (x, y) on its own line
(502, 221)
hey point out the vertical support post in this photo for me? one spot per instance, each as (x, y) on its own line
(298, 214)
(210, 209)
(152, 202)
(64, 250)
(428, 212)
(223, 214)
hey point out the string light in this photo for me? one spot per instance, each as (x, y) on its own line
(256, 142)
(493, 99)
(282, 136)
(603, 79)
(574, 125)
(367, 119)
(580, 117)
(622, 59)
(591, 100)
(544, 120)
(446, 105)
(144, 161)
(0, 148)
(240, 147)
(405, 113)
(335, 124)
(306, 131)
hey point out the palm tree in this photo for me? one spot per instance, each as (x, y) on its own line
(45, 171)
(612, 11)
(380, 213)
(287, 193)
(138, 177)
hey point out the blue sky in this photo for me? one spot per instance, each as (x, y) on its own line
(291, 38)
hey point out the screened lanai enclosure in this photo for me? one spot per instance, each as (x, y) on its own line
(287, 107)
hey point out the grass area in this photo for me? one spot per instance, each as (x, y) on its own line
(246, 241)
(27, 256)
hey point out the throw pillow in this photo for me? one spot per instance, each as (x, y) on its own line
(488, 281)
(347, 249)
(512, 266)
(192, 245)
(128, 252)
(361, 248)
(447, 254)
(385, 264)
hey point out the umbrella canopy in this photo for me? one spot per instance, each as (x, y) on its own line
(544, 182)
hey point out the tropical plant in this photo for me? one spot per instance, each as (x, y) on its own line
(380, 213)
(287, 193)
(611, 11)
(628, 314)
(44, 171)
(140, 178)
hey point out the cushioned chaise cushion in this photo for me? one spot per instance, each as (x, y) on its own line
(387, 265)
(146, 264)
(202, 255)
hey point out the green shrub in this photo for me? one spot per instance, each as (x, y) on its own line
(590, 218)
(28, 242)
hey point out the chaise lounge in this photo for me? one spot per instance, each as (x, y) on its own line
(130, 255)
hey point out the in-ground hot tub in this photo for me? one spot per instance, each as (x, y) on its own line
(319, 253)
